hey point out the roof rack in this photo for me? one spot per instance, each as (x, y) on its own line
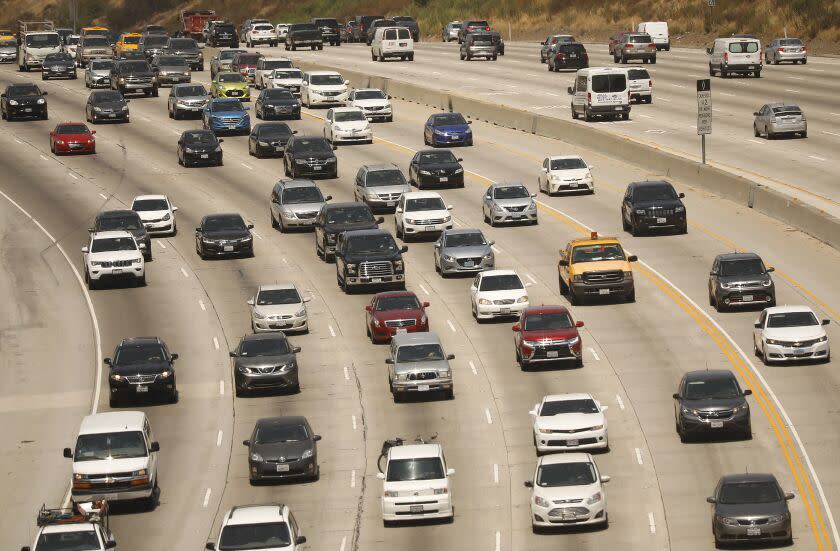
(96, 511)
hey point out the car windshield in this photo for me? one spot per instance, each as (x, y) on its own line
(327, 80)
(424, 203)
(112, 244)
(131, 39)
(312, 145)
(231, 77)
(203, 138)
(750, 47)
(511, 192)
(478, 24)
(190, 91)
(227, 106)
(127, 222)
(638, 74)
(307, 194)
(141, 205)
(712, 389)
(23, 90)
(481, 39)
(274, 297)
(278, 93)
(55, 58)
(471, 239)
(616, 82)
(228, 54)
(131, 355)
(547, 322)
(107, 96)
(273, 433)
(654, 193)
(501, 283)
(264, 347)
(392, 177)
(749, 492)
(223, 223)
(154, 41)
(95, 42)
(407, 302)
(223, 28)
(182, 44)
(565, 474)
(597, 253)
(248, 59)
(371, 244)
(567, 164)
(134, 66)
(792, 319)
(85, 540)
(115, 445)
(448, 119)
(583, 405)
(101, 65)
(241, 537)
(273, 131)
(172, 61)
(370, 94)
(420, 468)
(262, 27)
(287, 73)
(349, 116)
(72, 129)
(790, 42)
(786, 110)
(270, 64)
(749, 267)
(435, 157)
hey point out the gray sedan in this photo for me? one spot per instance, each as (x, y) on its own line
(786, 49)
(775, 119)
(749, 508)
(462, 250)
(507, 203)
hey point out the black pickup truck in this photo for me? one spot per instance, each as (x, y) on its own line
(369, 258)
(330, 31)
(303, 35)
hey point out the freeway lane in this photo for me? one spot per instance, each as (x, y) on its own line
(803, 168)
(643, 348)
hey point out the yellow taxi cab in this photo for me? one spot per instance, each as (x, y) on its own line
(128, 41)
(94, 30)
(596, 267)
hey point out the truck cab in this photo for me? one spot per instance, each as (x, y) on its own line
(596, 267)
(36, 40)
(369, 258)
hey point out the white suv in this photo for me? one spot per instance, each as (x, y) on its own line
(256, 527)
(421, 212)
(157, 213)
(261, 33)
(112, 255)
(416, 484)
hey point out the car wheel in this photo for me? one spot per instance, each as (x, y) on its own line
(574, 299)
(273, 221)
(141, 281)
(587, 116)
(574, 113)
(755, 130)
(631, 296)
(634, 229)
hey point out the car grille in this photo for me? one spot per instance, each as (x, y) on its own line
(281, 459)
(266, 370)
(116, 263)
(312, 163)
(476, 261)
(329, 94)
(580, 442)
(503, 301)
(570, 431)
(798, 344)
(390, 196)
(565, 501)
(576, 511)
(541, 352)
(753, 521)
(429, 221)
(234, 93)
(312, 214)
(552, 342)
(375, 269)
(140, 379)
(422, 376)
(515, 209)
(195, 103)
(138, 80)
(400, 323)
(716, 414)
(659, 212)
(607, 276)
(374, 108)
(295, 89)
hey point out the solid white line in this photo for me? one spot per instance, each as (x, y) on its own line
(620, 401)
(247, 166)
(638, 456)
(645, 116)
(487, 415)
(791, 91)
(498, 540)
(472, 366)
(354, 422)
(424, 289)
(529, 276)
(103, 196)
(651, 523)
(796, 78)
(255, 234)
(18, 141)
(835, 114)
(332, 331)
(221, 388)
(677, 85)
(343, 543)
(660, 98)
(830, 133)
(215, 343)
(816, 158)
(495, 473)
(452, 327)
(162, 246)
(594, 354)
(284, 261)
(727, 94)
(176, 132)
(183, 271)
(73, 176)
(206, 498)
(495, 249)
(353, 479)
(755, 141)
(552, 94)
(346, 374)
(201, 304)
(219, 439)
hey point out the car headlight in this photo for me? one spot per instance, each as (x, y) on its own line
(425, 173)
(41, 101)
(597, 427)
(628, 275)
(331, 238)
(257, 458)
(338, 128)
(398, 265)
(447, 219)
(541, 502)
(116, 377)
(640, 211)
(458, 171)
(577, 278)
(410, 221)
(743, 407)
(448, 258)
(189, 150)
(13, 102)
(95, 263)
(775, 518)
(441, 491)
(445, 374)
(679, 209)
(484, 302)
(532, 206)
(728, 521)
(594, 498)
(141, 472)
(488, 256)
(288, 214)
(259, 315)
(440, 132)
(300, 162)
(767, 282)
(163, 73)
(206, 240)
(331, 160)
(423, 319)
(306, 454)
(376, 323)
(264, 144)
(351, 268)
(165, 374)
(688, 411)
(97, 109)
(724, 285)
(523, 298)
(243, 369)
(300, 313)
(124, 108)
(167, 216)
(773, 341)
(390, 493)
(822, 339)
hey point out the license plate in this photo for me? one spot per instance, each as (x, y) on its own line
(205, 155)
(281, 468)
(391, 203)
(573, 184)
(569, 516)
(661, 220)
(415, 508)
(753, 531)
(116, 271)
(717, 424)
(469, 264)
(573, 442)
(401, 330)
(403, 44)
(751, 67)
(376, 280)
(799, 351)
(140, 389)
(430, 228)
(228, 248)
(572, 56)
(618, 108)
(603, 291)
(278, 148)
(442, 179)
(747, 298)
(27, 110)
(422, 388)
(112, 115)
(552, 354)
(505, 310)
(316, 168)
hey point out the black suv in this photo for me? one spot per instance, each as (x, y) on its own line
(224, 234)
(152, 44)
(439, 167)
(711, 403)
(124, 220)
(329, 29)
(23, 100)
(223, 34)
(133, 75)
(282, 448)
(265, 361)
(368, 258)
(653, 204)
(277, 103)
(188, 49)
(335, 218)
(409, 23)
(310, 156)
(141, 367)
(569, 55)
(303, 35)
(740, 279)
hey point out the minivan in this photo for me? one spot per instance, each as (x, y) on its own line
(658, 31)
(742, 56)
(392, 42)
(415, 484)
(600, 92)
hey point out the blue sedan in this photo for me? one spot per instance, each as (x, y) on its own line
(224, 115)
(447, 129)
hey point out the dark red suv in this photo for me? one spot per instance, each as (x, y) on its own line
(547, 334)
(395, 312)
(245, 63)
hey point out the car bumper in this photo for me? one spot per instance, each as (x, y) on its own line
(619, 288)
(661, 222)
(218, 126)
(27, 110)
(385, 332)
(263, 39)
(271, 151)
(609, 109)
(379, 114)
(420, 229)
(330, 169)
(99, 82)
(8, 57)
(397, 52)
(118, 116)
(356, 281)
(158, 388)
(271, 381)
(97, 273)
(790, 56)
(434, 180)
(487, 311)
(745, 68)
(737, 424)
(452, 139)
(305, 41)
(482, 52)
(777, 353)
(558, 186)
(795, 128)
(76, 148)
(506, 217)
(286, 324)
(747, 297)
(243, 95)
(173, 79)
(189, 107)
(270, 470)
(778, 531)
(431, 385)
(571, 64)
(160, 227)
(349, 136)
(458, 266)
(638, 94)
(552, 352)
(203, 158)
(219, 250)
(587, 440)
(577, 515)
(137, 85)
(417, 507)
(297, 222)
(317, 99)
(120, 493)
(63, 73)
(282, 112)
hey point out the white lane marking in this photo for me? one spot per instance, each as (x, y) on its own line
(472, 367)
(221, 388)
(147, 119)
(487, 415)
(215, 343)
(660, 98)
(184, 272)
(353, 417)
(424, 289)
(103, 196)
(176, 132)
(645, 116)
(816, 158)
(552, 94)
(498, 540)
(255, 234)
(346, 374)
(353, 478)
(835, 114)
(620, 401)
(796, 78)
(284, 261)
(495, 249)
(755, 141)
(73, 176)
(343, 543)
(727, 94)
(495, 473)
(830, 133)
(451, 327)
(529, 276)
(18, 141)
(638, 456)
(201, 305)
(160, 243)
(219, 439)
(332, 331)
(791, 91)
(247, 166)
(651, 523)
(44, 158)
(594, 354)
(677, 85)
(817, 70)
(206, 498)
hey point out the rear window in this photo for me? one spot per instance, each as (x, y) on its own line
(790, 42)
(639, 39)
(743, 47)
(638, 74)
(571, 48)
(403, 34)
(248, 59)
(616, 82)
(787, 110)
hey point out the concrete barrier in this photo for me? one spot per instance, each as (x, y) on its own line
(775, 204)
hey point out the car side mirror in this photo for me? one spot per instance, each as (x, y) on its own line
(826, 321)
(757, 325)
(459, 159)
(3, 95)
(232, 354)
(450, 471)
(107, 361)
(317, 438)
(84, 249)
(68, 453)
(529, 483)
(578, 324)
(25, 548)
(399, 209)
(570, 91)
(335, 148)
(789, 496)
(516, 327)
(296, 349)
(93, 131)
(198, 230)
(380, 476)
(632, 258)
(709, 51)
(174, 356)
(142, 246)
(210, 545)
(591, 167)
(426, 305)
(533, 412)
(347, 83)
(713, 273)
(604, 408)
(450, 356)
(711, 500)
(681, 196)
(307, 299)
(52, 133)
(748, 392)
(770, 269)
(249, 302)
(533, 195)
(605, 478)
(544, 169)
(389, 361)
(491, 243)
(563, 262)
(369, 308)
(328, 198)
(450, 207)
(755, 113)
(246, 442)
(90, 230)
(221, 140)
(380, 220)
(404, 249)
(250, 226)
(675, 396)
(45, 93)
(437, 244)
(300, 540)
(155, 447)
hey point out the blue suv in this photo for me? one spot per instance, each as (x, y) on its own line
(447, 129)
(224, 115)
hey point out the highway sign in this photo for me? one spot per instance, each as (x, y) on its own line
(704, 106)
(711, 3)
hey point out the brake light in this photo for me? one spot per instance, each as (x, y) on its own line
(650, 84)
(629, 45)
(486, 28)
(651, 45)
(585, 55)
(761, 55)
(804, 49)
(726, 57)
(628, 96)
(780, 49)
(589, 98)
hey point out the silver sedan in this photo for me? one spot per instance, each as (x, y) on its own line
(462, 250)
(506, 203)
(786, 49)
(775, 119)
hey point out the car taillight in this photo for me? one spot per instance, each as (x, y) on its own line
(651, 45)
(486, 28)
(585, 55)
(726, 57)
(761, 55)
(650, 84)
(804, 49)
(780, 49)
(629, 45)
(589, 98)
(628, 96)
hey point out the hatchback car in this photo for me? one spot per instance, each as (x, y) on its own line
(711, 403)
(748, 508)
(226, 115)
(395, 312)
(171, 69)
(347, 125)
(186, 98)
(547, 334)
(265, 361)
(221, 235)
(497, 293)
(230, 85)
(98, 73)
(549, 45)
(269, 139)
(463, 250)
(141, 367)
(740, 279)
(157, 213)
(505, 203)
(447, 129)
(295, 204)
(635, 46)
(72, 137)
(278, 307)
(380, 186)
(199, 147)
(780, 119)
(106, 105)
(569, 422)
(479, 44)
(790, 333)
(415, 484)
(222, 61)
(277, 103)
(653, 205)
(282, 448)
(439, 168)
(565, 173)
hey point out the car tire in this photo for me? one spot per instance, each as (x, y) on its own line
(112, 402)
(574, 113)
(574, 299)
(587, 116)
(631, 296)
(757, 74)
(634, 229)
(755, 131)
(564, 288)
(141, 281)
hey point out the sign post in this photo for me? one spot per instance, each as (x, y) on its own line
(704, 112)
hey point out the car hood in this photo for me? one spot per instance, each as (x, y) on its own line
(114, 255)
(503, 294)
(106, 466)
(174, 68)
(466, 252)
(289, 450)
(354, 258)
(338, 228)
(397, 188)
(200, 146)
(518, 202)
(371, 103)
(264, 361)
(141, 369)
(74, 137)
(384, 315)
(279, 101)
(288, 81)
(278, 309)
(226, 234)
(714, 403)
(27, 100)
(795, 333)
(557, 493)
(750, 509)
(571, 174)
(232, 85)
(138, 74)
(193, 98)
(304, 207)
(604, 265)
(454, 128)
(185, 52)
(318, 156)
(553, 334)
(353, 125)
(570, 421)
(61, 64)
(146, 215)
(669, 204)
(115, 105)
(435, 365)
(744, 280)
(7, 49)
(426, 214)
(228, 114)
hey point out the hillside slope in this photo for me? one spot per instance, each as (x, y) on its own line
(692, 22)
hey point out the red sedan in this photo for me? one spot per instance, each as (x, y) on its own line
(72, 137)
(395, 312)
(547, 334)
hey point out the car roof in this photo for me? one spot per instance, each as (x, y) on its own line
(747, 477)
(506, 184)
(311, 73)
(545, 309)
(368, 90)
(277, 335)
(112, 421)
(254, 514)
(651, 183)
(138, 341)
(221, 215)
(567, 396)
(782, 105)
(64, 527)
(225, 100)
(791, 308)
(708, 374)
(276, 59)
(220, 73)
(436, 115)
(116, 213)
(347, 110)
(70, 122)
(407, 339)
(276, 287)
(378, 168)
(298, 183)
(345, 204)
(412, 451)
(141, 197)
(737, 256)
(286, 420)
(111, 234)
(461, 231)
(422, 195)
(557, 458)
(487, 273)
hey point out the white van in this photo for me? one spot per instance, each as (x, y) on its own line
(392, 42)
(600, 92)
(115, 458)
(416, 484)
(658, 31)
(735, 56)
